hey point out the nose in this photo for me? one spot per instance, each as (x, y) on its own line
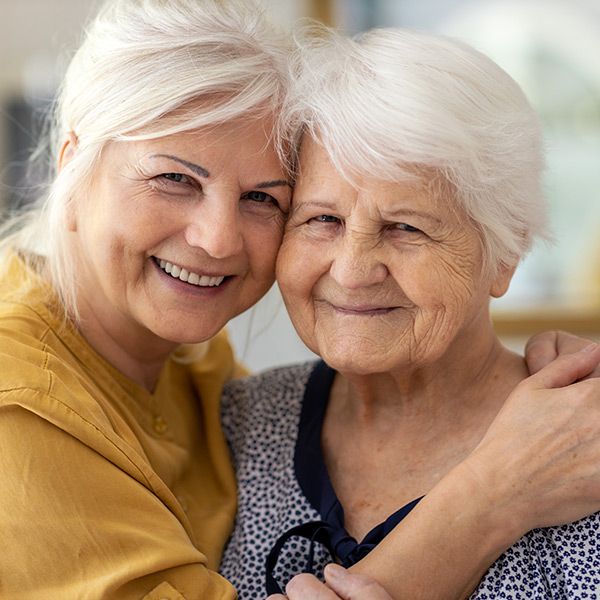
(356, 264)
(215, 227)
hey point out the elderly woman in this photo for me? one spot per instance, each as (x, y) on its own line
(162, 223)
(418, 192)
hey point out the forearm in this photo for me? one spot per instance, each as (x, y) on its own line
(445, 545)
(527, 472)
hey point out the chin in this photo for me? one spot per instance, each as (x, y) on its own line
(357, 361)
(356, 367)
(182, 334)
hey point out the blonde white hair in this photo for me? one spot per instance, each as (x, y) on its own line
(391, 103)
(146, 69)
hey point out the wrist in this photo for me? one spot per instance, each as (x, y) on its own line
(491, 502)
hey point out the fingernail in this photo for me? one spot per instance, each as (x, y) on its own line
(590, 348)
(333, 571)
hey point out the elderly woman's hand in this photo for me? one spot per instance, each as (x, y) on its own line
(546, 469)
(341, 585)
(543, 348)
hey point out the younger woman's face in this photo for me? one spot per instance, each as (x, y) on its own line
(177, 235)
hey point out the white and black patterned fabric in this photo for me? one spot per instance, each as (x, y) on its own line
(273, 424)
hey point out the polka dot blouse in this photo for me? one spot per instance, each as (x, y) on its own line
(290, 520)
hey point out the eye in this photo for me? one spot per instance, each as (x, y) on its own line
(176, 185)
(406, 227)
(261, 197)
(325, 219)
(175, 177)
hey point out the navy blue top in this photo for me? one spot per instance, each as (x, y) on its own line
(313, 478)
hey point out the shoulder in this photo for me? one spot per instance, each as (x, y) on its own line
(25, 348)
(261, 413)
(271, 393)
(266, 392)
(37, 352)
(261, 417)
(42, 376)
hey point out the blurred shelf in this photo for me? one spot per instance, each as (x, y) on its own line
(584, 321)
(321, 10)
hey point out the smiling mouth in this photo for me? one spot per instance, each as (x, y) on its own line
(364, 311)
(182, 274)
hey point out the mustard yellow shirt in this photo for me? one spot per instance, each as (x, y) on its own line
(106, 490)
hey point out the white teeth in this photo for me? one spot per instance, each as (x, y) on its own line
(184, 275)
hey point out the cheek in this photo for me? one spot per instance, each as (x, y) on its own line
(263, 247)
(441, 290)
(454, 287)
(297, 267)
(119, 227)
(461, 276)
(297, 274)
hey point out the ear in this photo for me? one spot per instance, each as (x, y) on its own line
(65, 155)
(502, 279)
(67, 150)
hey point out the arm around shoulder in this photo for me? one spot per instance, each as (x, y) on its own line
(536, 466)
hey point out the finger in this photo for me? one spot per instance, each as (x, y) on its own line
(595, 373)
(567, 368)
(567, 343)
(541, 350)
(306, 586)
(350, 586)
(276, 597)
(544, 347)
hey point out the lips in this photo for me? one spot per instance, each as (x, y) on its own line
(358, 308)
(364, 310)
(179, 272)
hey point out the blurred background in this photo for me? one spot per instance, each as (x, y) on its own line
(551, 47)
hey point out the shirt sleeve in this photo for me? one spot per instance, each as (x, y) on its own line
(76, 525)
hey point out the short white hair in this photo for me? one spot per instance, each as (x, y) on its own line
(390, 103)
(146, 69)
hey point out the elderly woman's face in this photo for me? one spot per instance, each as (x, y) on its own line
(180, 234)
(379, 277)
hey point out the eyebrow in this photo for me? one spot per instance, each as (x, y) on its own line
(273, 183)
(323, 204)
(316, 204)
(410, 212)
(201, 171)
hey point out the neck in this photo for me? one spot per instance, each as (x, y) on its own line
(135, 351)
(392, 436)
(473, 377)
